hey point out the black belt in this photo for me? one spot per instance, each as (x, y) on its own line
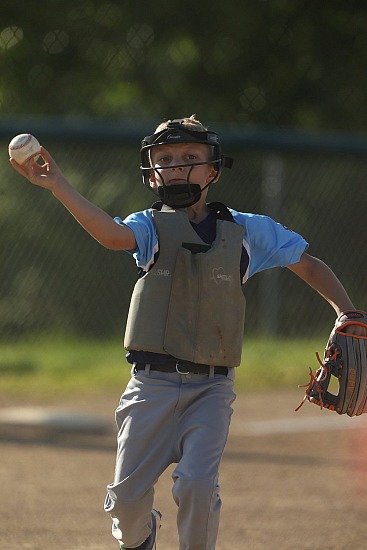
(182, 367)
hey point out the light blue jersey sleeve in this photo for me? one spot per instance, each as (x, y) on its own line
(269, 243)
(144, 230)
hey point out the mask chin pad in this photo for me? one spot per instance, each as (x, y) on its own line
(180, 195)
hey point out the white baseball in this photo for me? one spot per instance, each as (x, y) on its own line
(23, 148)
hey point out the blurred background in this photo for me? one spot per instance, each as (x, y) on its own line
(283, 82)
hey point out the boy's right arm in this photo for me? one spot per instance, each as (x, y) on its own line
(94, 220)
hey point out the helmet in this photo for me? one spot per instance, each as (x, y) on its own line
(185, 194)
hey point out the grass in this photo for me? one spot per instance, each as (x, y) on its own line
(55, 366)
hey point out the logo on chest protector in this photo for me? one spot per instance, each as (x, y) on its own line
(162, 272)
(218, 276)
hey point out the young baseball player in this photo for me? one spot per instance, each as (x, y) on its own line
(185, 325)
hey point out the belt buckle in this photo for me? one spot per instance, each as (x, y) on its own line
(178, 370)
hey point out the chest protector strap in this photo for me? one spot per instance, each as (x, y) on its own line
(190, 304)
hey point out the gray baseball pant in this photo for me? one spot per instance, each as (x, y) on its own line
(163, 419)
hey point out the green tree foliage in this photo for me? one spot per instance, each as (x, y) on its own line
(283, 62)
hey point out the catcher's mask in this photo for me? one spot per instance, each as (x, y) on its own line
(184, 194)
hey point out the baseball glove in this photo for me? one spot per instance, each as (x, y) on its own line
(345, 358)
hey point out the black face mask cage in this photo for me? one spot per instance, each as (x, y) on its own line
(182, 195)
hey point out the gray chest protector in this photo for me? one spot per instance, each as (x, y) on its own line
(190, 304)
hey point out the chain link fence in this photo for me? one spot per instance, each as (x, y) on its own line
(56, 278)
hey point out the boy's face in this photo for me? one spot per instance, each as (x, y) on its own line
(165, 158)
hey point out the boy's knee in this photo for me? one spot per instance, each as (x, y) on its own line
(199, 493)
(122, 502)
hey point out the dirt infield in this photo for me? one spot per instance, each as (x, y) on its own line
(288, 480)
